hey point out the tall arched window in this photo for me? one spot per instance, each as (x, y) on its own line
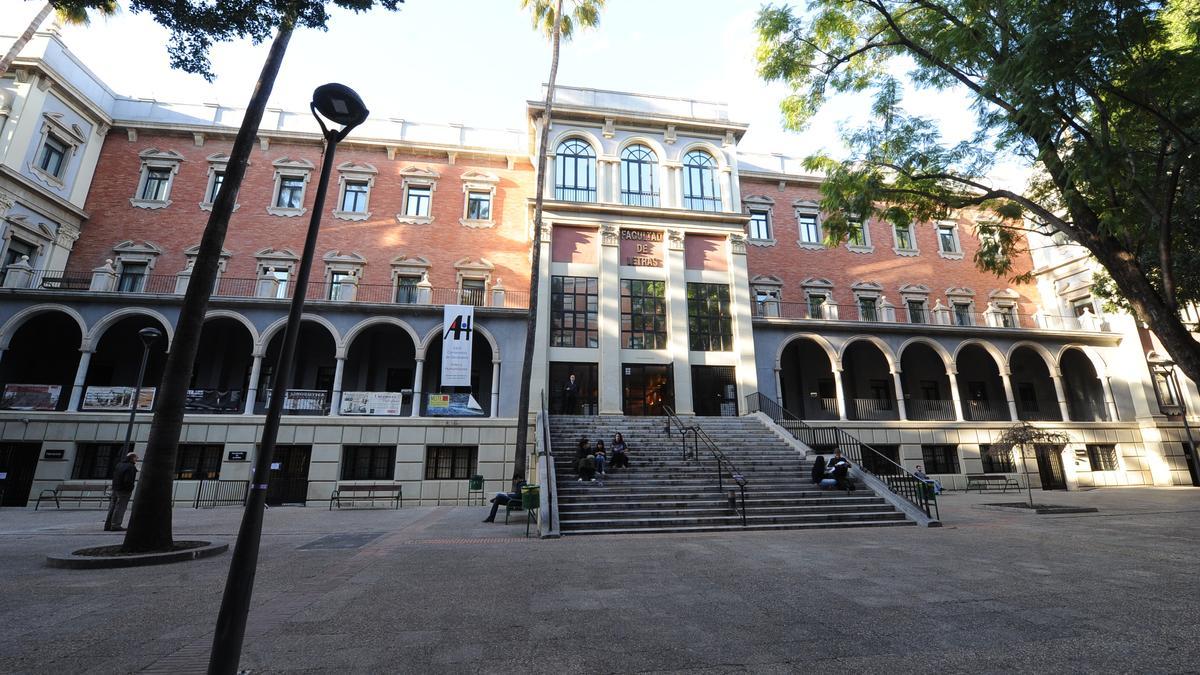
(575, 172)
(639, 176)
(701, 192)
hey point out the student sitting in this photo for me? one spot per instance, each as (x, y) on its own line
(818, 470)
(587, 468)
(920, 475)
(839, 469)
(620, 452)
(503, 498)
(582, 449)
(601, 457)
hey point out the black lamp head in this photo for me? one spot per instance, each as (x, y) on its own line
(149, 335)
(339, 104)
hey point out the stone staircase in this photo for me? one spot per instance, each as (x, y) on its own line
(663, 492)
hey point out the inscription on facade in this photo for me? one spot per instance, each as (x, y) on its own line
(641, 248)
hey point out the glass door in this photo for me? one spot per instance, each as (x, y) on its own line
(647, 389)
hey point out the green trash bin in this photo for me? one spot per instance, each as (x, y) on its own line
(531, 500)
(475, 488)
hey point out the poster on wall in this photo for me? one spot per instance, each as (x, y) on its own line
(211, 400)
(30, 396)
(457, 330)
(453, 405)
(116, 398)
(372, 402)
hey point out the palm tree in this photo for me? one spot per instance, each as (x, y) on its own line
(1021, 435)
(75, 16)
(548, 17)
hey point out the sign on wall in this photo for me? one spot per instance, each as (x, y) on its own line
(452, 405)
(372, 402)
(641, 248)
(30, 396)
(116, 398)
(458, 328)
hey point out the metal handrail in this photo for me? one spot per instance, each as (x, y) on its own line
(902, 482)
(551, 477)
(723, 462)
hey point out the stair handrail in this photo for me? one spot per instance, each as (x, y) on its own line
(548, 510)
(902, 482)
(699, 437)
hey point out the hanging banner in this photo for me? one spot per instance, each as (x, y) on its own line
(453, 405)
(372, 402)
(212, 400)
(116, 398)
(30, 396)
(457, 331)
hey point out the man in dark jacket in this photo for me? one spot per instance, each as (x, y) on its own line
(571, 396)
(124, 478)
(503, 498)
(839, 468)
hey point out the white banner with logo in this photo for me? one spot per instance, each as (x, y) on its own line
(458, 327)
(372, 402)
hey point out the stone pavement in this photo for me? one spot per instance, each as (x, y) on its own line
(434, 590)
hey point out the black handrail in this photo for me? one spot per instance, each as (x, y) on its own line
(723, 462)
(551, 478)
(213, 493)
(898, 479)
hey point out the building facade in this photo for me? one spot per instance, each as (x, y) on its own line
(677, 272)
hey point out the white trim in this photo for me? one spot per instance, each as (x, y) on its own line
(153, 158)
(301, 168)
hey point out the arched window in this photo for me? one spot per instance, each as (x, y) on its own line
(701, 192)
(639, 176)
(575, 172)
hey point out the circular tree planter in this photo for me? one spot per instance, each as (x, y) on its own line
(1037, 509)
(106, 557)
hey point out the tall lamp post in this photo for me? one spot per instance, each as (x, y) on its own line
(149, 336)
(1171, 400)
(340, 105)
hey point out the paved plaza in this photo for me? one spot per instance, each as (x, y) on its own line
(434, 590)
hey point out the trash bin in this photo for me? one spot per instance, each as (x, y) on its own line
(476, 483)
(531, 496)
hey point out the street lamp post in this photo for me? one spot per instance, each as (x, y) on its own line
(149, 336)
(340, 105)
(1171, 400)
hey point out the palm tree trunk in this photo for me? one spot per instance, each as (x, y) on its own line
(6, 62)
(535, 264)
(150, 524)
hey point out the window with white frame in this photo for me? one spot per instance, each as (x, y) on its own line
(760, 224)
(159, 168)
(57, 145)
(343, 271)
(479, 192)
(768, 293)
(858, 239)
(916, 303)
(473, 277)
(818, 298)
(407, 273)
(948, 242)
(218, 165)
(479, 205)
(868, 298)
(639, 176)
(809, 224)
(419, 184)
(135, 264)
(355, 182)
(918, 310)
(1002, 308)
(291, 183)
(575, 171)
(418, 201)
(18, 249)
(905, 239)
(275, 268)
(701, 187)
(818, 305)
(963, 313)
(53, 157)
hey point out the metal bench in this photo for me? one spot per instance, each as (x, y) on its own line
(80, 492)
(991, 481)
(352, 491)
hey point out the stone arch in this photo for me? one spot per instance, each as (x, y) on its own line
(888, 354)
(1097, 361)
(236, 316)
(714, 151)
(647, 141)
(17, 320)
(348, 340)
(436, 332)
(1040, 350)
(996, 354)
(947, 359)
(581, 134)
(92, 339)
(835, 359)
(269, 332)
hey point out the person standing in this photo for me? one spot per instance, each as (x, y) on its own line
(124, 478)
(571, 396)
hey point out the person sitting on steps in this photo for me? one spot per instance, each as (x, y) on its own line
(503, 498)
(818, 469)
(601, 458)
(587, 468)
(583, 449)
(620, 452)
(839, 467)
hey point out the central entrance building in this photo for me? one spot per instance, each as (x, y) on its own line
(644, 257)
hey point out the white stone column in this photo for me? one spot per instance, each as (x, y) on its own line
(742, 309)
(541, 340)
(335, 405)
(840, 390)
(779, 386)
(495, 388)
(609, 371)
(1059, 392)
(677, 322)
(85, 359)
(1109, 401)
(727, 189)
(1006, 380)
(252, 390)
(952, 374)
(900, 409)
(418, 376)
(677, 186)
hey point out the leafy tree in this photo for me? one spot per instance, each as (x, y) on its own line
(1097, 97)
(1024, 435)
(195, 26)
(548, 17)
(72, 15)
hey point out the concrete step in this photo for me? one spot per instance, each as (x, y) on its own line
(700, 529)
(752, 519)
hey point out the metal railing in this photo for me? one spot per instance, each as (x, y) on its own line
(875, 409)
(929, 409)
(701, 440)
(895, 477)
(948, 316)
(213, 493)
(984, 411)
(550, 475)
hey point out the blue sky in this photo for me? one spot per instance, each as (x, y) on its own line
(476, 62)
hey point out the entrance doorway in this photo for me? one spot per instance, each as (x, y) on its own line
(647, 389)
(1050, 467)
(18, 461)
(289, 475)
(586, 398)
(714, 391)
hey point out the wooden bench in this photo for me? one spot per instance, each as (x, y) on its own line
(80, 492)
(352, 491)
(991, 481)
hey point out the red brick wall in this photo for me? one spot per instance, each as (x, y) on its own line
(379, 239)
(845, 268)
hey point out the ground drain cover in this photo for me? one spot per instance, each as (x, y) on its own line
(342, 541)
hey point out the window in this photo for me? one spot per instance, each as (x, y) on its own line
(867, 309)
(643, 314)
(473, 291)
(904, 238)
(858, 236)
(354, 196)
(940, 458)
(418, 200)
(281, 276)
(995, 460)
(1006, 316)
(948, 239)
(194, 461)
(291, 192)
(810, 230)
(450, 462)
(816, 305)
(155, 187)
(133, 277)
(95, 461)
(368, 462)
(766, 301)
(574, 311)
(1102, 457)
(53, 157)
(575, 172)
(18, 249)
(916, 311)
(639, 176)
(479, 205)
(218, 180)
(962, 314)
(701, 191)
(337, 280)
(710, 322)
(760, 224)
(406, 288)
(1081, 307)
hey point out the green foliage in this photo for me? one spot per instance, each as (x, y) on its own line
(585, 13)
(196, 25)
